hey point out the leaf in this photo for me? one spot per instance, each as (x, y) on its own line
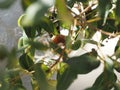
(12, 73)
(63, 13)
(107, 78)
(12, 59)
(34, 13)
(6, 3)
(76, 45)
(104, 7)
(117, 66)
(117, 12)
(48, 26)
(40, 77)
(26, 3)
(30, 31)
(26, 62)
(83, 64)
(109, 26)
(116, 86)
(20, 42)
(68, 42)
(66, 79)
(25, 40)
(38, 45)
(3, 52)
(76, 65)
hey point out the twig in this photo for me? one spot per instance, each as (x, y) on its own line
(58, 60)
(103, 32)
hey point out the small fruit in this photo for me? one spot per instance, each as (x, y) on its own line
(58, 39)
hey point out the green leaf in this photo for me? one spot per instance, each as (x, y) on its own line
(76, 45)
(117, 52)
(3, 52)
(12, 59)
(26, 3)
(26, 62)
(104, 7)
(68, 42)
(25, 40)
(63, 13)
(109, 26)
(38, 45)
(117, 12)
(105, 80)
(76, 65)
(20, 42)
(107, 77)
(34, 13)
(6, 3)
(30, 31)
(117, 66)
(65, 80)
(48, 26)
(117, 86)
(39, 75)
(83, 64)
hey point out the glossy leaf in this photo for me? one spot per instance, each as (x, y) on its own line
(30, 31)
(83, 64)
(20, 42)
(25, 40)
(76, 65)
(34, 13)
(105, 81)
(76, 45)
(38, 45)
(104, 7)
(64, 15)
(68, 42)
(117, 86)
(117, 12)
(12, 59)
(66, 79)
(14, 79)
(107, 77)
(109, 26)
(40, 77)
(117, 66)
(48, 26)
(26, 62)
(6, 3)
(3, 52)
(26, 3)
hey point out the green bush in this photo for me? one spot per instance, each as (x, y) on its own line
(42, 23)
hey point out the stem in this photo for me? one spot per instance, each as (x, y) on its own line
(58, 60)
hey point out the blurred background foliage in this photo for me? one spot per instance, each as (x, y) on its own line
(52, 29)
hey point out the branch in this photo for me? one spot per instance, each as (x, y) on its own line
(58, 60)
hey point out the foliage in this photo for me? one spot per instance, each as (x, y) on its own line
(42, 41)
